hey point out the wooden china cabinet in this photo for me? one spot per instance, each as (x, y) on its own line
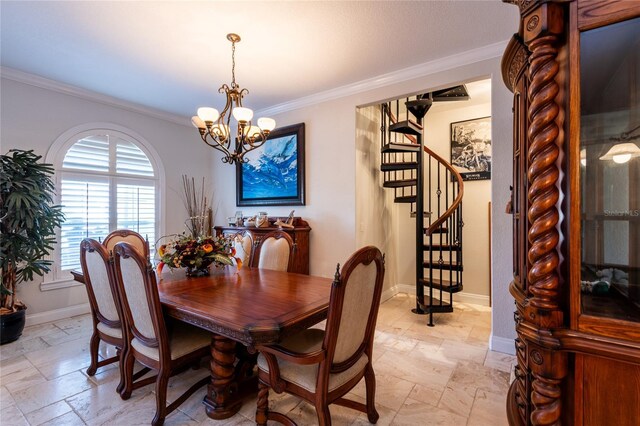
(574, 70)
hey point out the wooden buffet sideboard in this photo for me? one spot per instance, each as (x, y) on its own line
(299, 233)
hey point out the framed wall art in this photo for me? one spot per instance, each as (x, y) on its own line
(471, 148)
(274, 173)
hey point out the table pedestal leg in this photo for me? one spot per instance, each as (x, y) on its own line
(230, 382)
(221, 401)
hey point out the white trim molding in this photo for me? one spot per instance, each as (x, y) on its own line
(67, 89)
(427, 68)
(502, 344)
(431, 67)
(59, 283)
(389, 293)
(462, 297)
(57, 314)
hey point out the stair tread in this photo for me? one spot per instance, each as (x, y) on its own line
(405, 199)
(444, 285)
(400, 147)
(406, 127)
(419, 107)
(400, 183)
(438, 306)
(390, 167)
(426, 214)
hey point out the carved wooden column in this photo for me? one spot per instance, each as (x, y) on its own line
(543, 27)
(222, 400)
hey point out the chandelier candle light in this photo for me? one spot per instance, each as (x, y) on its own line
(215, 129)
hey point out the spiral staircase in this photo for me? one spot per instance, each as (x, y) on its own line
(420, 177)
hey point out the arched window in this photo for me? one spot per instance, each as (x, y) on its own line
(105, 180)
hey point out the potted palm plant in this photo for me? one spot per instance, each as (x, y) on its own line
(28, 220)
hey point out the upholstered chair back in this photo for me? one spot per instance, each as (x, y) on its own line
(353, 309)
(127, 236)
(243, 243)
(94, 260)
(275, 251)
(138, 292)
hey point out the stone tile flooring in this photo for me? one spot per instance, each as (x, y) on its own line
(442, 375)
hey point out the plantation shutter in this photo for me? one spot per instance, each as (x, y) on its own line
(106, 183)
(85, 203)
(131, 160)
(137, 209)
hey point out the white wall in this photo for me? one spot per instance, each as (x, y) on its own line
(331, 177)
(33, 117)
(375, 209)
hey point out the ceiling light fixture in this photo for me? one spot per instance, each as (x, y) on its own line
(620, 153)
(215, 129)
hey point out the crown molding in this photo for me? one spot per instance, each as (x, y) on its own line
(67, 89)
(427, 68)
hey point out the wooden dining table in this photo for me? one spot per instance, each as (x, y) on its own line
(249, 306)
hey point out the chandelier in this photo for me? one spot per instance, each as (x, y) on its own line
(215, 127)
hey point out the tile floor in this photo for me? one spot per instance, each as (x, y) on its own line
(442, 375)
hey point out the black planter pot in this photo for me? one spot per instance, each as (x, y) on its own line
(12, 326)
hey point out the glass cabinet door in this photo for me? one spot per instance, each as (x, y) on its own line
(610, 171)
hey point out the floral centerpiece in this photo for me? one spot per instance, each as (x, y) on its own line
(197, 254)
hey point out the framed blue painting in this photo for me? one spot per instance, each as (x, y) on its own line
(274, 173)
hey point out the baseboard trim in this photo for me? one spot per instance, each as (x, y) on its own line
(501, 344)
(475, 299)
(462, 297)
(389, 293)
(57, 314)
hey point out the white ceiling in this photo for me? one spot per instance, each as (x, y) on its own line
(174, 55)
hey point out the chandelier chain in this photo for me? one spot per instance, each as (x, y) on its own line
(233, 64)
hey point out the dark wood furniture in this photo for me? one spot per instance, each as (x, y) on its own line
(299, 234)
(105, 312)
(322, 366)
(148, 340)
(251, 306)
(276, 251)
(128, 236)
(574, 70)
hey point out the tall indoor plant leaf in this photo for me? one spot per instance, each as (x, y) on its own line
(28, 220)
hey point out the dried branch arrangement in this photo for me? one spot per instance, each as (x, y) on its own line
(200, 221)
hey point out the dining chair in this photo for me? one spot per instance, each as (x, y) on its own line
(136, 240)
(243, 242)
(149, 340)
(321, 366)
(274, 251)
(105, 311)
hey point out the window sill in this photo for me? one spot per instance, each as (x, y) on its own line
(58, 284)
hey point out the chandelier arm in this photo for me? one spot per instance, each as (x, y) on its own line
(215, 145)
(254, 142)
